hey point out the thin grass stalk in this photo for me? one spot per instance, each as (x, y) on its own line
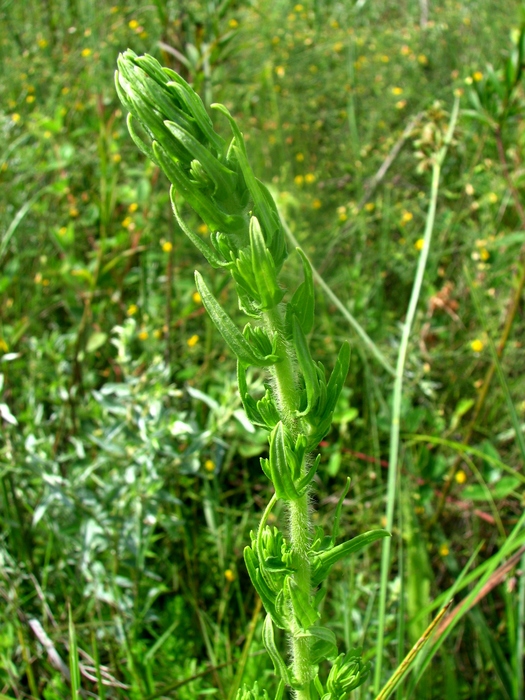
(520, 635)
(409, 659)
(74, 667)
(398, 389)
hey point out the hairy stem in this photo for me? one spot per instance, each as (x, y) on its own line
(287, 396)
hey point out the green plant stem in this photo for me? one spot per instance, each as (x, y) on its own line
(398, 391)
(283, 371)
(298, 510)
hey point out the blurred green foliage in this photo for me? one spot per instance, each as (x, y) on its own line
(129, 478)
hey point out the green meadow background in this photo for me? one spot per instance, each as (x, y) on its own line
(129, 473)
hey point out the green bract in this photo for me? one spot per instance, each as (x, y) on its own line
(169, 124)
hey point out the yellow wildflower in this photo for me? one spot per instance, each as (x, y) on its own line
(460, 477)
(477, 345)
(196, 297)
(478, 75)
(444, 550)
(133, 24)
(127, 222)
(299, 157)
(338, 46)
(203, 229)
(73, 212)
(384, 58)
(3, 345)
(422, 59)
(397, 91)
(167, 247)
(309, 178)
(116, 157)
(15, 118)
(86, 52)
(298, 179)
(493, 197)
(406, 217)
(317, 204)
(280, 71)
(484, 254)
(42, 43)
(233, 24)
(143, 335)
(132, 309)
(401, 104)
(419, 244)
(209, 465)
(229, 575)
(30, 99)
(370, 206)
(192, 341)
(133, 207)
(157, 333)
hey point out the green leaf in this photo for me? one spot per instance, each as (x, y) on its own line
(269, 218)
(96, 340)
(303, 609)
(265, 593)
(501, 489)
(209, 253)
(324, 645)
(233, 338)
(323, 561)
(307, 366)
(279, 468)
(281, 669)
(263, 269)
(302, 304)
(338, 376)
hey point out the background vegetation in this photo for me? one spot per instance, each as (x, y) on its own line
(129, 474)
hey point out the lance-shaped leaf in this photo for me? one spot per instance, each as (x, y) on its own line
(279, 467)
(263, 269)
(259, 340)
(338, 376)
(232, 336)
(144, 147)
(302, 303)
(249, 403)
(307, 366)
(272, 603)
(223, 177)
(323, 561)
(209, 253)
(281, 669)
(262, 200)
(205, 207)
(323, 643)
(304, 612)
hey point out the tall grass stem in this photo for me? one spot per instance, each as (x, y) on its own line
(398, 389)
